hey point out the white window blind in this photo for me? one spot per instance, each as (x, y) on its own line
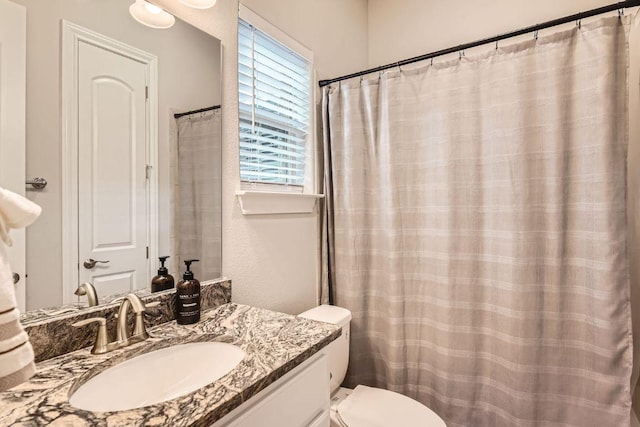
(275, 109)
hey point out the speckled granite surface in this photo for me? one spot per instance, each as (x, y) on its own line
(53, 336)
(274, 343)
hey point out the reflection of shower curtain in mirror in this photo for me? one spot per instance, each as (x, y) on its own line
(198, 194)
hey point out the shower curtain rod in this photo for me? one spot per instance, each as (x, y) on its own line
(532, 29)
(202, 110)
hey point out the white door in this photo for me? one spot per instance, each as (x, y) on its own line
(12, 124)
(112, 174)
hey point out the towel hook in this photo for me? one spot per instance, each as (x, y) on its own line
(37, 183)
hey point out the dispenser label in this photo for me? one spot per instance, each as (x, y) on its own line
(188, 308)
(189, 296)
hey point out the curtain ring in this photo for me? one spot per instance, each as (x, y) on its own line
(579, 23)
(399, 66)
(620, 13)
(535, 35)
(461, 53)
(496, 44)
(432, 62)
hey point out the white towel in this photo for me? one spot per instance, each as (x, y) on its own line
(16, 353)
(15, 212)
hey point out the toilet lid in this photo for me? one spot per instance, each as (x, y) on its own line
(374, 407)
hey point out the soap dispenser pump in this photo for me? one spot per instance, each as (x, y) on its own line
(188, 297)
(163, 280)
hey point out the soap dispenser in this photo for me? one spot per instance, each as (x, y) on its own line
(188, 297)
(163, 280)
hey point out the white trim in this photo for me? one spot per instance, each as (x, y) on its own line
(72, 36)
(265, 26)
(269, 203)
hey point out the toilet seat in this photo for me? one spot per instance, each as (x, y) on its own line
(374, 407)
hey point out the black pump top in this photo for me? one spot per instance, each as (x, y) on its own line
(188, 275)
(163, 270)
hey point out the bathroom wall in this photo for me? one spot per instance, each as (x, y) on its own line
(273, 260)
(43, 151)
(400, 30)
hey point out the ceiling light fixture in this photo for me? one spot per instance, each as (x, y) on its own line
(199, 4)
(151, 15)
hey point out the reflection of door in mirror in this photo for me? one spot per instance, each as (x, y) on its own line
(187, 77)
(113, 163)
(12, 124)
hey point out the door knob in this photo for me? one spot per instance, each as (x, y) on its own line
(37, 183)
(16, 278)
(90, 263)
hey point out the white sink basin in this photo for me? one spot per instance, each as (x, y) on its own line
(157, 376)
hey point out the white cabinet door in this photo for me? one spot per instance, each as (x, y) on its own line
(12, 124)
(298, 399)
(112, 199)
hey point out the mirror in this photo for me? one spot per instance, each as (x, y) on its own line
(188, 79)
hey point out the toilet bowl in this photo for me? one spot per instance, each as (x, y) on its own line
(364, 406)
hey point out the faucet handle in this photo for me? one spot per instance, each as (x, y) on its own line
(101, 320)
(140, 329)
(152, 313)
(102, 341)
(152, 304)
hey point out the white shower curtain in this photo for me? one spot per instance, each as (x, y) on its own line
(476, 229)
(198, 204)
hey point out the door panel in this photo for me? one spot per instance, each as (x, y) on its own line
(112, 170)
(113, 159)
(124, 280)
(12, 124)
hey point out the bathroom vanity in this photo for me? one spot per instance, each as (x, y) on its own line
(282, 380)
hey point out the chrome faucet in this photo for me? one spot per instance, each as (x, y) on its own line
(139, 329)
(123, 338)
(88, 290)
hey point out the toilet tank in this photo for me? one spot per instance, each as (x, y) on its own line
(338, 350)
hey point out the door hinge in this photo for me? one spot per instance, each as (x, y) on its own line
(147, 172)
(146, 92)
(147, 252)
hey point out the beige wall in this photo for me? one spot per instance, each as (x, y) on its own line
(408, 28)
(273, 260)
(180, 53)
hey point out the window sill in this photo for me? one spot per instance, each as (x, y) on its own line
(271, 203)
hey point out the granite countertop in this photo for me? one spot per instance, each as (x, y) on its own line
(275, 343)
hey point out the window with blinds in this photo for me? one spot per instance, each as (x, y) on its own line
(275, 109)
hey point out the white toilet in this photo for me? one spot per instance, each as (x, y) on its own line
(364, 406)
